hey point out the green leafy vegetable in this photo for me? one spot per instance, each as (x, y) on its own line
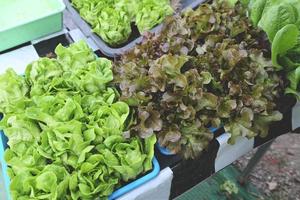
(280, 19)
(277, 15)
(113, 26)
(284, 40)
(13, 88)
(294, 78)
(111, 19)
(65, 129)
(256, 10)
(151, 13)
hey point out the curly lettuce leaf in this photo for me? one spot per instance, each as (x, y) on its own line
(205, 68)
(50, 183)
(43, 75)
(151, 13)
(13, 90)
(111, 20)
(113, 26)
(149, 150)
(76, 56)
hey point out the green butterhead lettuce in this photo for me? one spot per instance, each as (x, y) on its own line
(113, 26)
(65, 129)
(13, 89)
(151, 13)
(112, 19)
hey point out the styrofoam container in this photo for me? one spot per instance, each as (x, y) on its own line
(25, 20)
(115, 51)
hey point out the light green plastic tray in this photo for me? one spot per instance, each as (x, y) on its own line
(25, 20)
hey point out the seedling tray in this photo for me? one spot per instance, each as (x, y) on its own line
(134, 39)
(116, 194)
(25, 20)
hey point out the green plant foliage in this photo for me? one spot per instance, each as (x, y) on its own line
(280, 19)
(151, 12)
(205, 68)
(111, 19)
(229, 188)
(65, 129)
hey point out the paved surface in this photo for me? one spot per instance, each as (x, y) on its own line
(277, 175)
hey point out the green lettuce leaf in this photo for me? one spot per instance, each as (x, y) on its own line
(294, 78)
(112, 20)
(113, 26)
(151, 13)
(256, 9)
(65, 127)
(278, 14)
(280, 20)
(284, 40)
(13, 90)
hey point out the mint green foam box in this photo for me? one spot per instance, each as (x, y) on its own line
(25, 20)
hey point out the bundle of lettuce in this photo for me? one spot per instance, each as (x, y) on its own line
(65, 129)
(209, 67)
(111, 19)
(280, 19)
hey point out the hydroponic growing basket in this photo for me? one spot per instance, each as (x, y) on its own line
(25, 20)
(137, 38)
(119, 192)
